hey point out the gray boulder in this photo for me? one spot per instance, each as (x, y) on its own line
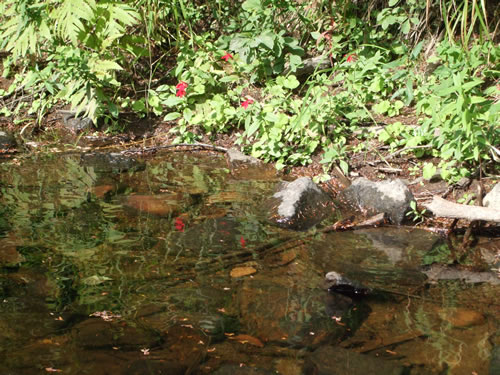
(390, 196)
(492, 199)
(299, 205)
(7, 141)
(75, 123)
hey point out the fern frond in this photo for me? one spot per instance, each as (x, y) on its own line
(70, 16)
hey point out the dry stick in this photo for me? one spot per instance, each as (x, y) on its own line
(407, 149)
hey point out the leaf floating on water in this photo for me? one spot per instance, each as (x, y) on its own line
(242, 271)
(96, 280)
(247, 339)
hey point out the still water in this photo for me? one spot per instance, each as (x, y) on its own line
(167, 265)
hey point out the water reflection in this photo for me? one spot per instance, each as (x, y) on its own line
(118, 266)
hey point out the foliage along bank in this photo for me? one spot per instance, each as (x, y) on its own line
(214, 67)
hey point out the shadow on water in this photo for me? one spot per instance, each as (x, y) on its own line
(110, 265)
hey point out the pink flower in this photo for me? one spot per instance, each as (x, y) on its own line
(246, 103)
(181, 89)
(351, 58)
(242, 242)
(179, 225)
(227, 56)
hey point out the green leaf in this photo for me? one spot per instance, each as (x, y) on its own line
(172, 101)
(291, 82)
(428, 171)
(172, 116)
(251, 5)
(266, 39)
(229, 78)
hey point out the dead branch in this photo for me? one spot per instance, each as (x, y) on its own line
(443, 208)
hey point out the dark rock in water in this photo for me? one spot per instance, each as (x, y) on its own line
(111, 163)
(299, 205)
(275, 312)
(228, 369)
(495, 355)
(216, 326)
(155, 367)
(392, 197)
(438, 272)
(97, 333)
(337, 283)
(329, 360)
(7, 141)
(76, 124)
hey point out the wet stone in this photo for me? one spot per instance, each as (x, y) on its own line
(111, 163)
(391, 196)
(97, 333)
(161, 204)
(75, 123)
(230, 369)
(244, 167)
(299, 205)
(329, 360)
(155, 367)
(461, 318)
(296, 316)
(7, 141)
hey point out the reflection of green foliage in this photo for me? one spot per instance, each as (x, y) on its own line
(438, 254)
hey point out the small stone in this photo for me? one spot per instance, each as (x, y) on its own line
(461, 318)
(242, 271)
(161, 205)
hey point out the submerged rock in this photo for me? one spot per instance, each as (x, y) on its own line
(161, 204)
(299, 205)
(330, 360)
(438, 272)
(244, 167)
(96, 333)
(7, 141)
(111, 163)
(391, 196)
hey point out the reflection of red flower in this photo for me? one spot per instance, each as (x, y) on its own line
(179, 225)
(246, 103)
(227, 56)
(181, 89)
(242, 242)
(351, 58)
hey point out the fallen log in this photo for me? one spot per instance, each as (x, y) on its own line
(443, 208)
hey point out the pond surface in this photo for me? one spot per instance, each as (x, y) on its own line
(168, 265)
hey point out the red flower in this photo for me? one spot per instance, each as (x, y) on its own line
(242, 242)
(227, 56)
(351, 58)
(181, 89)
(179, 225)
(246, 103)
